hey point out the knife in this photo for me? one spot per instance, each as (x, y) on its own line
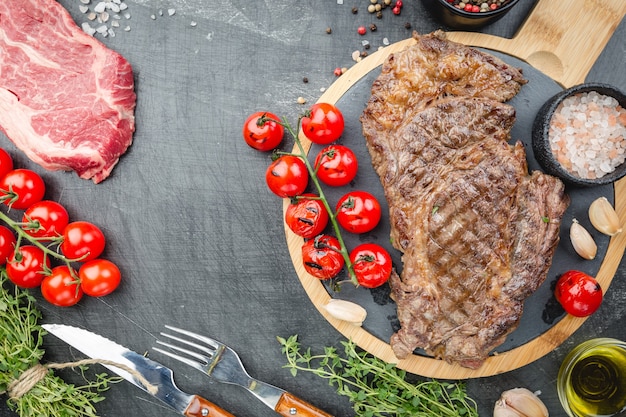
(158, 376)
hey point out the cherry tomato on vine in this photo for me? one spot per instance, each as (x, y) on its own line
(99, 277)
(7, 244)
(321, 257)
(26, 267)
(306, 217)
(336, 165)
(578, 293)
(287, 176)
(263, 135)
(51, 217)
(358, 211)
(61, 288)
(21, 188)
(372, 264)
(82, 240)
(6, 163)
(323, 123)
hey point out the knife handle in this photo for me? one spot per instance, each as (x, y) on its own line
(199, 407)
(291, 406)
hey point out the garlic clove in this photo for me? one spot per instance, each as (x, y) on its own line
(524, 402)
(503, 410)
(583, 242)
(346, 311)
(603, 217)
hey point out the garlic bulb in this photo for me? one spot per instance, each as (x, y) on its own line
(603, 217)
(583, 242)
(519, 402)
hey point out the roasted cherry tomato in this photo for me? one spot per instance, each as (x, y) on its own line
(61, 287)
(287, 176)
(261, 134)
(7, 244)
(26, 267)
(45, 219)
(306, 217)
(321, 257)
(6, 163)
(372, 265)
(578, 293)
(323, 123)
(21, 188)
(99, 277)
(358, 211)
(336, 165)
(82, 241)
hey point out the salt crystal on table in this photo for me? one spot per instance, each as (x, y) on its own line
(171, 12)
(100, 7)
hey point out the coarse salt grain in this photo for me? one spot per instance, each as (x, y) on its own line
(587, 134)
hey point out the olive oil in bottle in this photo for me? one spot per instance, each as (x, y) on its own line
(596, 381)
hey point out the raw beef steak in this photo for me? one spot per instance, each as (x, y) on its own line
(477, 232)
(66, 100)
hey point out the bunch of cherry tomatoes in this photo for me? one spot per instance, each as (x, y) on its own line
(43, 248)
(309, 213)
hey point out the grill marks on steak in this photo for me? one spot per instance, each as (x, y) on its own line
(66, 100)
(469, 219)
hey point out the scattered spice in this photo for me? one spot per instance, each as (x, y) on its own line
(361, 30)
(337, 72)
(477, 6)
(373, 27)
(329, 30)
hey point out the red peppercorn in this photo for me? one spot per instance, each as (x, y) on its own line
(362, 30)
(396, 10)
(399, 3)
(337, 72)
(493, 6)
(468, 7)
(475, 9)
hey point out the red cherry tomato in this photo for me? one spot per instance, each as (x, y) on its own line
(263, 135)
(287, 176)
(578, 293)
(336, 165)
(99, 277)
(26, 267)
(306, 217)
(358, 211)
(321, 257)
(7, 244)
(372, 265)
(323, 123)
(21, 188)
(61, 287)
(45, 219)
(6, 163)
(82, 241)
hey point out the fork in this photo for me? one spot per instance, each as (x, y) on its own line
(222, 363)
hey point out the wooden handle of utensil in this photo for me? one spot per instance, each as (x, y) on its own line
(289, 406)
(199, 407)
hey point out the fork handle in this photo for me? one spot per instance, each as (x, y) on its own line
(199, 407)
(289, 406)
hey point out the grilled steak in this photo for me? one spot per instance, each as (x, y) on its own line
(477, 231)
(66, 100)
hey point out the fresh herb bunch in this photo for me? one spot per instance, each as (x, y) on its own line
(21, 338)
(377, 388)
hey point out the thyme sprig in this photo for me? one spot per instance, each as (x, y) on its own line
(377, 388)
(332, 215)
(21, 339)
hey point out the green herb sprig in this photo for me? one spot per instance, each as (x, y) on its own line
(377, 388)
(21, 338)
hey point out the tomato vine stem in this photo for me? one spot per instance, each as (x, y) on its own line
(302, 154)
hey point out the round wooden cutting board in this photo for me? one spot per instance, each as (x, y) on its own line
(545, 43)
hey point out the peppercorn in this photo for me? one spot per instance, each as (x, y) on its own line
(373, 27)
(305, 80)
(355, 10)
(379, 15)
(407, 25)
(337, 72)
(361, 30)
(329, 30)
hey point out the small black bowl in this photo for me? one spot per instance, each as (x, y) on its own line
(541, 141)
(460, 19)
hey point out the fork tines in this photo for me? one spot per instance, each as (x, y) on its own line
(210, 348)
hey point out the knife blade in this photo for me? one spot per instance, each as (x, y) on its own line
(160, 377)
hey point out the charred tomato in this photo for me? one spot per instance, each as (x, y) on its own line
(322, 257)
(306, 216)
(578, 293)
(262, 132)
(323, 123)
(287, 176)
(336, 165)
